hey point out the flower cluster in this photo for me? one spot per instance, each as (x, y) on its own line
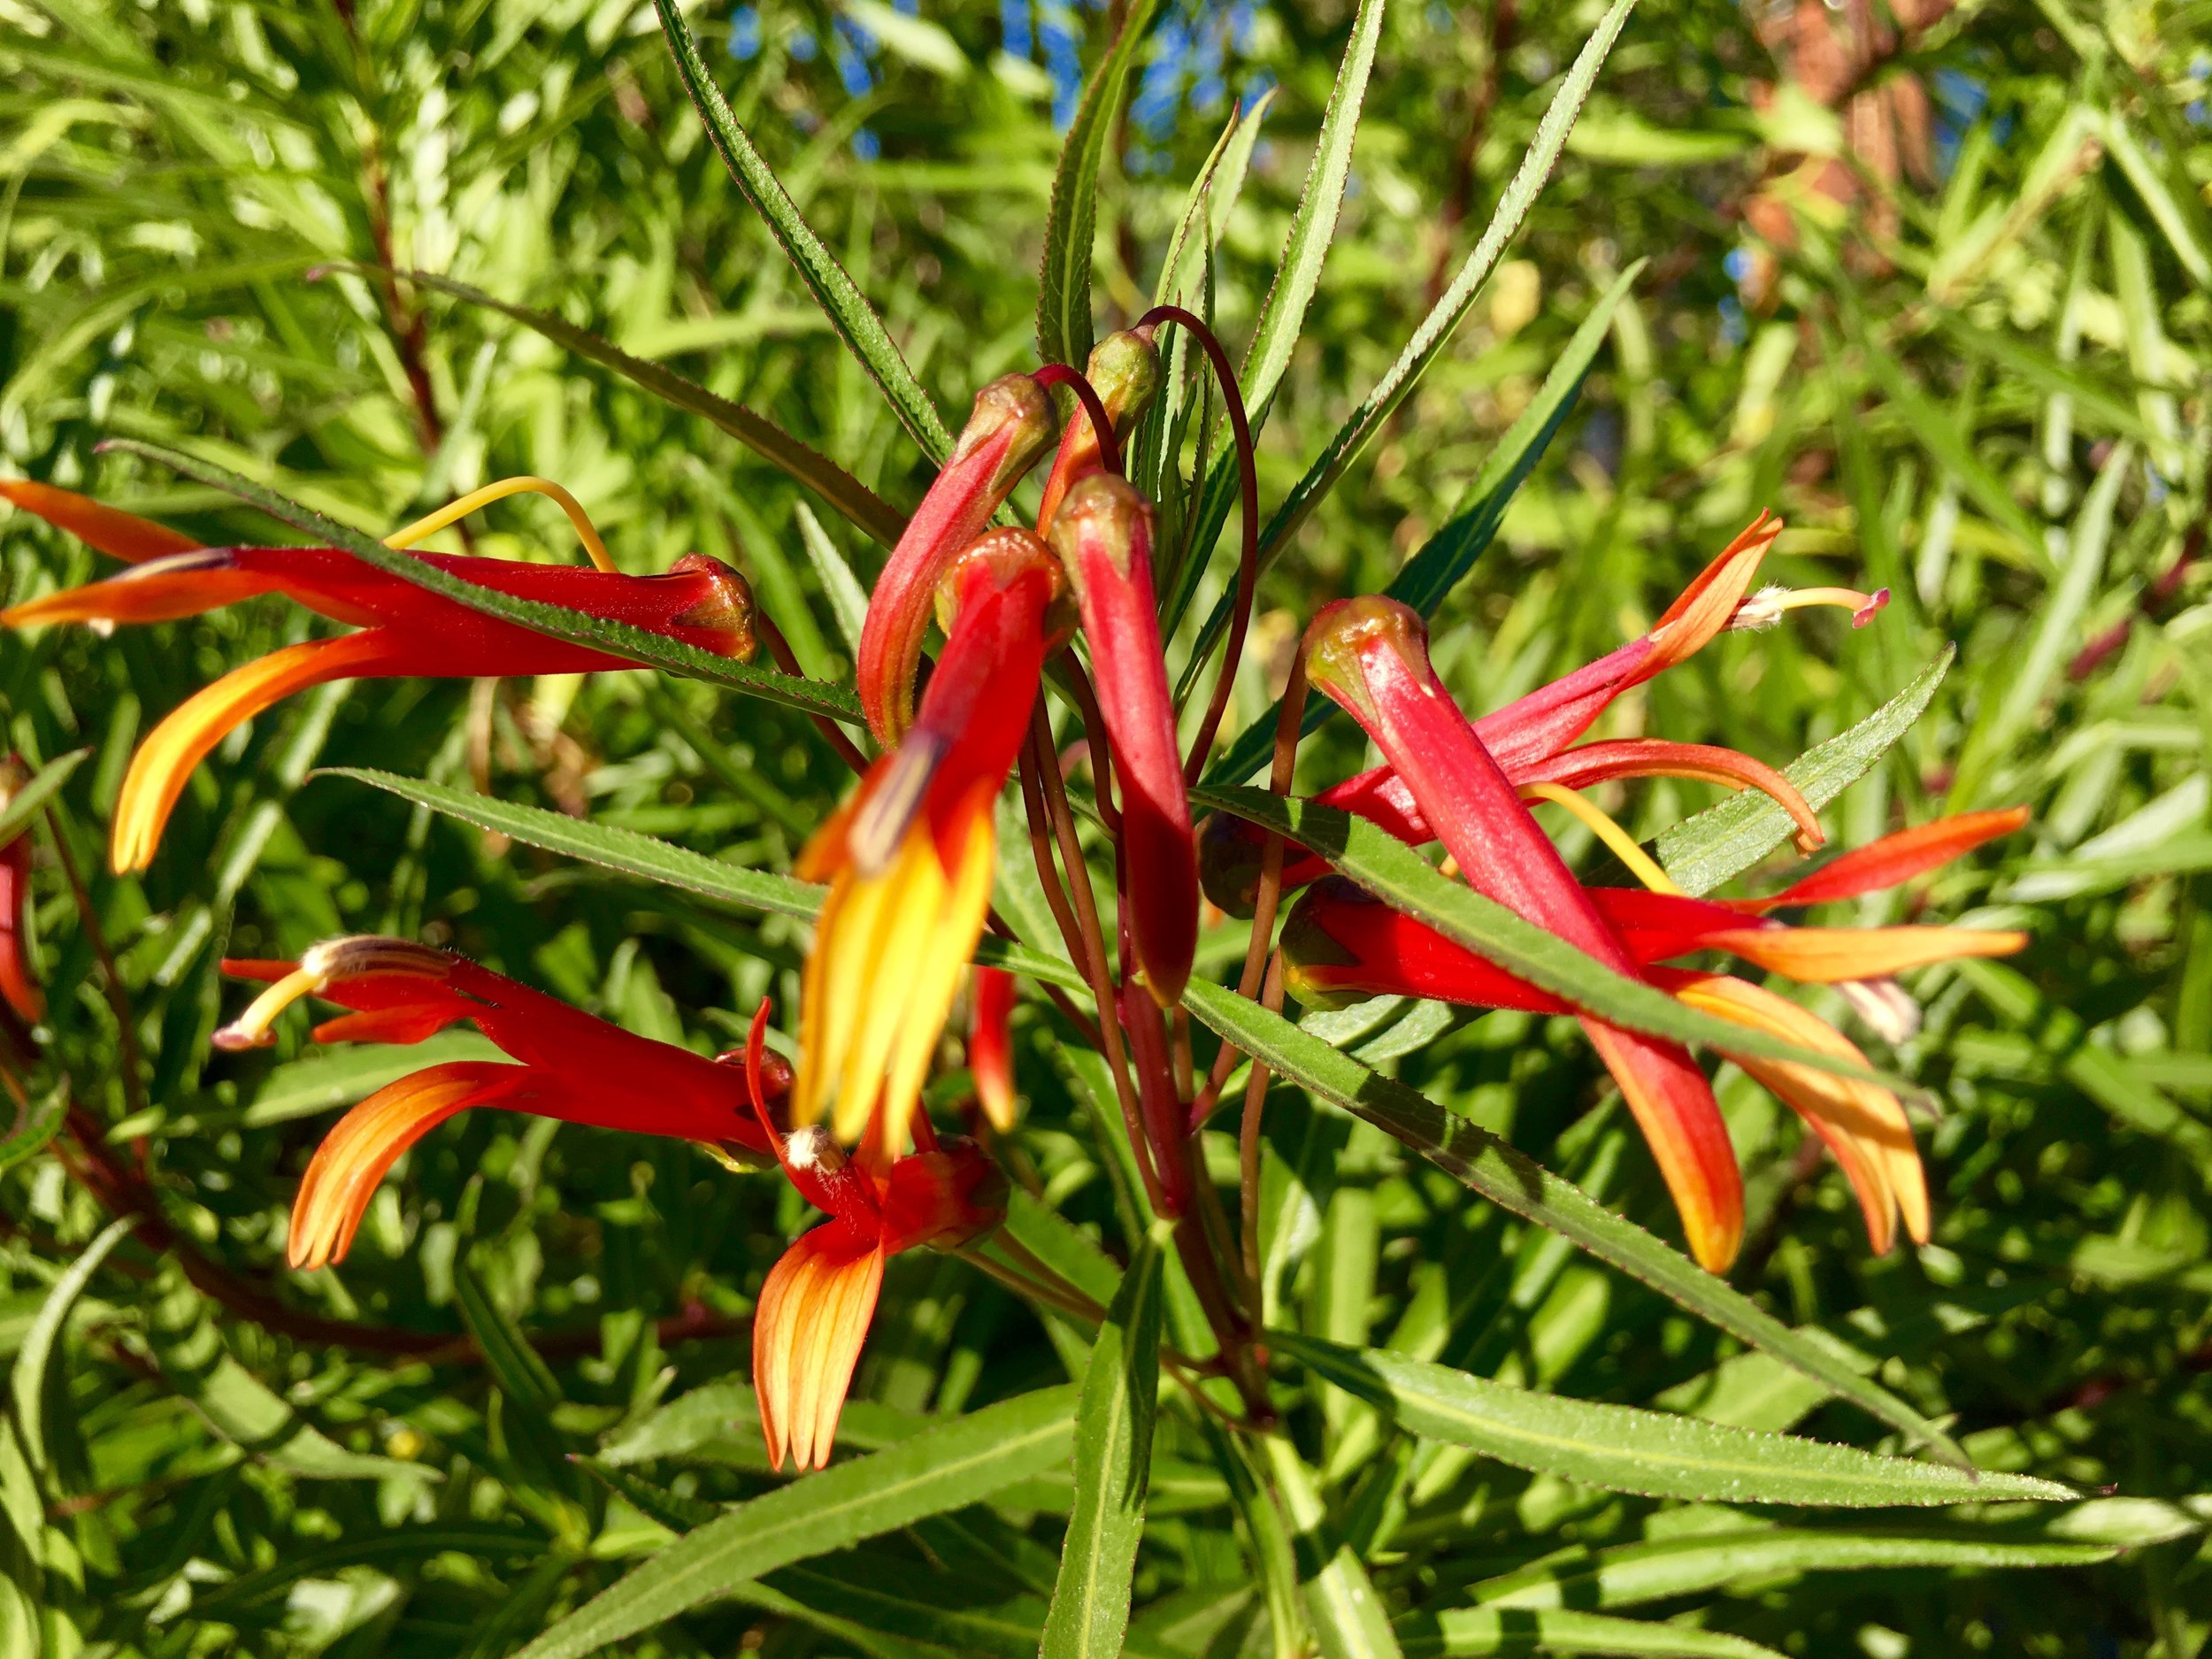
(910, 860)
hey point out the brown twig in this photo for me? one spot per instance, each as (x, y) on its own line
(1459, 191)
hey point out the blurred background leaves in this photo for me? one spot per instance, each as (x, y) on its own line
(1935, 282)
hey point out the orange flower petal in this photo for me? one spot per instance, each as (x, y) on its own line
(158, 771)
(354, 1156)
(1825, 955)
(808, 1328)
(1673, 1106)
(1703, 607)
(119, 535)
(1899, 858)
(1650, 758)
(1863, 1124)
(158, 590)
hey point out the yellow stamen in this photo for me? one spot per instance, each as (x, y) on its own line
(1618, 840)
(455, 511)
(252, 1028)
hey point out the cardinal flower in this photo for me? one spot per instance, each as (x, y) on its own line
(910, 858)
(818, 1299)
(1341, 945)
(1011, 427)
(1370, 656)
(1529, 738)
(404, 630)
(568, 1065)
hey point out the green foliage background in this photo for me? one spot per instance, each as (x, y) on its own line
(188, 194)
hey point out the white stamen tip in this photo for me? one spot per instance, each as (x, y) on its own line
(808, 1148)
(1761, 610)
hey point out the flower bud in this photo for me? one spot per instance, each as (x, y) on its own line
(1103, 536)
(1011, 425)
(726, 606)
(1124, 371)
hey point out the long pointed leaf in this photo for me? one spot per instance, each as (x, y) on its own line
(1518, 1630)
(1089, 1614)
(1063, 284)
(834, 289)
(1506, 1178)
(854, 501)
(1657, 1454)
(939, 1469)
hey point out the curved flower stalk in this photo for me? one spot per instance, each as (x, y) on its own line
(569, 1065)
(1371, 657)
(818, 1299)
(1530, 738)
(403, 631)
(910, 856)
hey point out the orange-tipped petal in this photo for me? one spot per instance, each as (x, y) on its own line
(107, 530)
(353, 1158)
(808, 1329)
(991, 1045)
(1103, 536)
(1673, 1106)
(1828, 956)
(1651, 757)
(1899, 858)
(1863, 1123)
(158, 771)
(159, 590)
(1704, 608)
(1011, 424)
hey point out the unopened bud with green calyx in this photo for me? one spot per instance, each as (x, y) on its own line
(1012, 426)
(1315, 964)
(1103, 536)
(1124, 371)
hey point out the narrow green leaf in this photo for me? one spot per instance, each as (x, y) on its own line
(27, 1383)
(324, 1079)
(243, 1409)
(1283, 313)
(2003, 718)
(638, 855)
(672, 1509)
(1063, 284)
(1089, 1614)
(519, 1368)
(38, 1120)
(25, 802)
(1443, 561)
(1436, 329)
(1624, 1449)
(618, 639)
(941, 1469)
(1723, 842)
(1347, 1616)
(604, 844)
(1506, 1178)
(853, 500)
(1636, 1573)
(1489, 1629)
(834, 289)
(1398, 875)
(2181, 227)
(874, 1593)
(847, 599)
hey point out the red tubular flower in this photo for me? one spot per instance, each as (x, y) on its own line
(1103, 536)
(910, 856)
(1529, 738)
(1125, 370)
(1339, 944)
(991, 1045)
(404, 631)
(16, 984)
(570, 1066)
(1371, 657)
(1009, 429)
